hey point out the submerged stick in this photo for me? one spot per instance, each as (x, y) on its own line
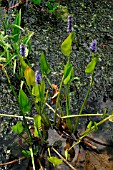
(12, 162)
(63, 158)
(16, 116)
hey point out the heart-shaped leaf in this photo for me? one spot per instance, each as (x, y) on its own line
(18, 128)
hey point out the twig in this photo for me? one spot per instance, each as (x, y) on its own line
(100, 143)
(63, 158)
(12, 162)
(15, 116)
(71, 116)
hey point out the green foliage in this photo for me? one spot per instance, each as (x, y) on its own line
(23, 63)
(37, 2)
(44, 66)
(24, 102)
(91, 66)
(90, 125)
(29, 76)
(51, 5)
(11, 50)
(66, 154)
(18, 128)
(68, 73)
(16, 26)
(54, 160)
(62, 12)
(27, 153)
(66, 46)
(37, 125)
(26, 39)
(36, 150)
(39, 90)
(12, 57)
(95, 125)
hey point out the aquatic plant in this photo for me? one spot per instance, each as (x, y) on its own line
(37, 86)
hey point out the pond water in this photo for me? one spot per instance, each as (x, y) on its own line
(91, 20)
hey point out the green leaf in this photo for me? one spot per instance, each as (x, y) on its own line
(36, 134)
(26, 153)
(18, 128)
(17, 22)
(11, 57)
(66, 46)
(42, 90)
(66, 154)
(16, 26)
(49, 5)
(36, 150)
(36, 90)
(45, 69)
(91, 66)
(39, 90)
(23, 63)
(24, 102)
(26, 38)
(37, 121)
(54, 160)
(37, 2)
(95, 125)
(37, 125)
(29, 76)
(89, 125)
(68, 73)
(104, 113)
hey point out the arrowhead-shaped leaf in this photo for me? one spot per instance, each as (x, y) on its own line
(68, 73)
(91, 66)
(29, 76)
(24, 102)
(45, 69)
(66, 46)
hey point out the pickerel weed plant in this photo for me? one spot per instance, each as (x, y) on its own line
(15, 49)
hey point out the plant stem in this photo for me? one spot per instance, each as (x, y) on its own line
(57, 101)
(11, 86)
(85, 100)
(48, 81)
(68, 105)
(71, 116)
(88, 131)
(32, 157)
(27, 129)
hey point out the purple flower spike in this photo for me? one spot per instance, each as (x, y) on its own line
(22, 50)
(93, 46)
(69, 28)
(38, 77)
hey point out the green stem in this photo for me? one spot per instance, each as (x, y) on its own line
(85, 100)
(15, 116)
(88, 131)
(71, 116)
(11, 86)
(32, 158)
(48, 81)
(68, 105)
(27, 129)
(57, 101)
